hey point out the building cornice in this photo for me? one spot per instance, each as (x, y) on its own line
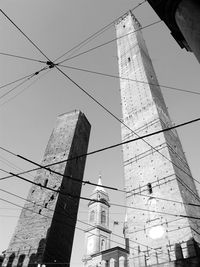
(166, 10)
(110, 250)
(98, 227)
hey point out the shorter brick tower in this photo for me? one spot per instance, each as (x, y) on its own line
(45, 230)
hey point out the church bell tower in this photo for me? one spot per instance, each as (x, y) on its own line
(98, 234)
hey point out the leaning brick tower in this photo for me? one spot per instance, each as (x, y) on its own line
(45, 230)
(155, 167)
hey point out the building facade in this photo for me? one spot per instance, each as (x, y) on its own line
(45, 229)
(182, 17)
(161, 226)
(97, 237)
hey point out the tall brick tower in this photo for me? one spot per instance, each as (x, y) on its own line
(156, 167)
(45, 230)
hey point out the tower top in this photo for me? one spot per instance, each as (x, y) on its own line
(99, 186)
(125, 16)
(99, 193)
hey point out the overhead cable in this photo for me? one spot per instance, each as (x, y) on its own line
(121, 122)
(97, 33)
(20, 92)
(23, 34)
(24, 81)
(10, 83)
(83, 230)
(96, 200)
(69, 215)
(51, 64)
(131, 192)
(90, 153)
(168, 200)
(108, 42)
(22, 57)
(128, 79)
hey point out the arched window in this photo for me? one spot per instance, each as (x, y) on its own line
(149, 187)
(103, 244)
(21, 260)
(103, 217)
(92, 213)
(45, 182)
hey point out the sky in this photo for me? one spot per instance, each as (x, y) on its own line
(28, 113)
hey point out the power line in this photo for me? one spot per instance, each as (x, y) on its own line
(153, 211)
(132, 192)
(22, 57)
(51, 64)
(95, 200)
(23, 34)
(11, 98)
(162, 223)
(24, 81)
(83, 230)
(168, 200)
(108, 42)
(90, 153)
(96, 34)
(48, 188)
(127, 79)
(108, 111)
(10, 83)
(116, 189)
(10, 164)
(182, 216)
(77, 46)
(80, 221)
(121, 122)
(86, 92)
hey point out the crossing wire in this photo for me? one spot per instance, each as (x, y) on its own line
(89, 95)
(121, 122)
(11, 98)
(128, 79)
(109, 42)
(15, 81)
(12, 22)
(49, 61)
(22, 57)
(33, 211)
(89, 153)
(81, 220)
(24, 81)
(96, 34)
(82, 43)
(131, 192)
(99, 201)
(34, 44)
